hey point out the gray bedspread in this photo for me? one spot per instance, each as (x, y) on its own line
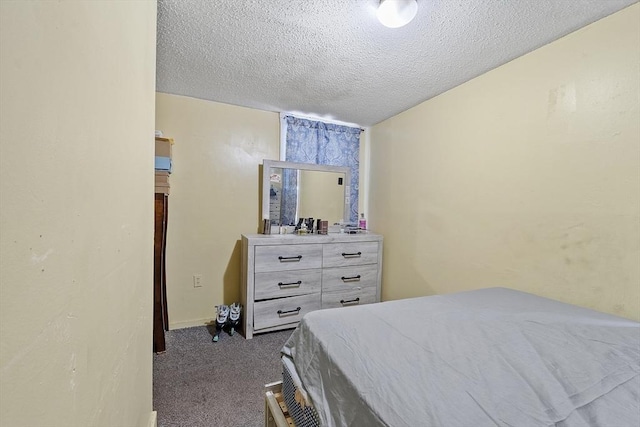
(491, 357)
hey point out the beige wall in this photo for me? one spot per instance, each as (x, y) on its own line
(214, 198)
(526, 177)
(76, 188)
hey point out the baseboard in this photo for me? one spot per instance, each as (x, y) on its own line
(153, 419)
(190, 323)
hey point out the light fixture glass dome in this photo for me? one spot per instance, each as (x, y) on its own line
(396, 13)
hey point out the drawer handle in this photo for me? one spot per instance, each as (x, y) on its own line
(290, 258)
(289, 312)
(292, 284)
(351, 279)
(350, 301)
(351, 255)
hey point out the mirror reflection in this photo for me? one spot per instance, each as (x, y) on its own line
(321, 195)
(298, 190)
(296, 193)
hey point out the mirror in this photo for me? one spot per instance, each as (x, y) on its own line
(300, 190)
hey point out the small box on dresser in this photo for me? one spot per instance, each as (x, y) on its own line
(286, 276)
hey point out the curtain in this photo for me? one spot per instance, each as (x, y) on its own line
(309, 141)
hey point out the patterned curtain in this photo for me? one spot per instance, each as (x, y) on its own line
(321, 143)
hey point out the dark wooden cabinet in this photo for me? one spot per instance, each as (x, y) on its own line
(160, 314)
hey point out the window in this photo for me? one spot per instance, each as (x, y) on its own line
(310, 141)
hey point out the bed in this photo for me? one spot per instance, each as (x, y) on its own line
(490, 357)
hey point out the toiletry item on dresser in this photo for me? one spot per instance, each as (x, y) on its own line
(303, 229)
(362, 223)
(352, 229)
(324, 227)
(309, 223)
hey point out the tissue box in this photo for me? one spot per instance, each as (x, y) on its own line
(333, 229)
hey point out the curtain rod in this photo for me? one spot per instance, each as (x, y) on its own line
(320, 120)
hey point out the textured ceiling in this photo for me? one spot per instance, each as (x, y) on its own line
(333, 59)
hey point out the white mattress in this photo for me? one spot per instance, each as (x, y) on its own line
(480, 358)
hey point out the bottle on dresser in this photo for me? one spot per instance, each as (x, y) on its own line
(362, 223)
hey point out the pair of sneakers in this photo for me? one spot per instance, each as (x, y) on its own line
(227, 317)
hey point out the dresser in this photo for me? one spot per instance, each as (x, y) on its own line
(286, 276)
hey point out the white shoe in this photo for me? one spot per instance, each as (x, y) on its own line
(222, 314)
(234, 317)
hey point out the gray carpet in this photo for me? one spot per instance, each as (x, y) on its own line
(198, 383)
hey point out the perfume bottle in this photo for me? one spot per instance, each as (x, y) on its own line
(362, 223)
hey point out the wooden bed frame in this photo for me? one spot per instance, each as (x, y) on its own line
(276, 413)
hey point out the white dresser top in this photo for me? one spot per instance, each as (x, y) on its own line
(292, 239)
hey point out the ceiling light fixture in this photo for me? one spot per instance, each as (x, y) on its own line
(396, 13)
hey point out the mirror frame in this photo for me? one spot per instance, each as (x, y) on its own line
(266, 183)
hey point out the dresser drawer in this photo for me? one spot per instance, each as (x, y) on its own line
(348, 298)
(345, 278)
(343, 254)
(280, 284)
(282, 311)
(287, 257)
